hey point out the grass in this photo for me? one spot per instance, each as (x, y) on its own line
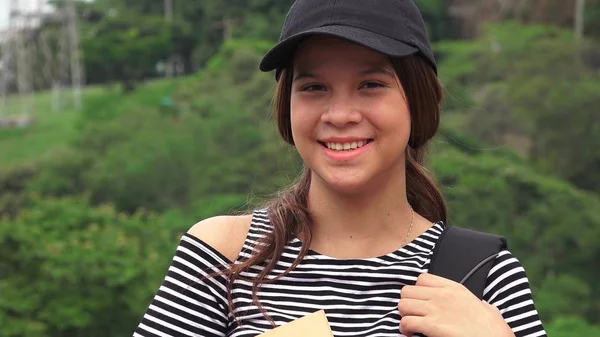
(49, 129)
(53, 129)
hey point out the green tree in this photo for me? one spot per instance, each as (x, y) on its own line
(125, 48)
(529, 87)
(136, 152)
(69, 269)
(550, 226)
(435, 13)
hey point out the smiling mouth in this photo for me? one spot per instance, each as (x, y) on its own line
(347, 146)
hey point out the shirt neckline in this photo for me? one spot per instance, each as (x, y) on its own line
(404, 250)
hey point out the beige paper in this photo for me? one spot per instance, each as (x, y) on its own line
(311, 325)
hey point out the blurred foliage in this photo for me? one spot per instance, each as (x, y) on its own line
(88, 228)
(550, 226)
(530, 88)
(72, 269)
(125, 47)
(126, 40)
(175, 156)
(572, 326)
(210, 151)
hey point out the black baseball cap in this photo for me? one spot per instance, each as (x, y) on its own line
(392, 27)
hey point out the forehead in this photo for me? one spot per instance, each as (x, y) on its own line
(323, 51)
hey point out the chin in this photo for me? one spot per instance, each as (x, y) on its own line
(345, 186)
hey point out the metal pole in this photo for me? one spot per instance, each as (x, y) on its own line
(4, 67)
(169, 19)
(63, 58)
(74, 54)
(7, 60)
(23, 64)
(579, 19)
(169, 11)
(48, 59)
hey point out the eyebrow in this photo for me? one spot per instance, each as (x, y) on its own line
(378, 70)
(302, 75)
(369, 71)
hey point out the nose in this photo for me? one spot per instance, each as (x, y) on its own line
(341, 110)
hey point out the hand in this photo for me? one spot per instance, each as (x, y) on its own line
(438, 307)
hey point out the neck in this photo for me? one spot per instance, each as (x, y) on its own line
(368, 215)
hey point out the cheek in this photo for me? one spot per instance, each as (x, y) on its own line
(297, 127)
(405, 121)
(294, 114)
(404, 126)
(303, 120)
(393, 116)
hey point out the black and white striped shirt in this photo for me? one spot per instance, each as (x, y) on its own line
(359, 296)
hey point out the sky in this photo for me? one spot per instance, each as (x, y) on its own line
(4, 13)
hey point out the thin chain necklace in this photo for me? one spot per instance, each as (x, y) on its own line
(412, 220)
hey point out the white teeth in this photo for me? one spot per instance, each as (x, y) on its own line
(346, 146)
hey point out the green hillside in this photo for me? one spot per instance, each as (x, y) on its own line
(111, 188)
(48, 130)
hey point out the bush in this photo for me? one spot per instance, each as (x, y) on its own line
(71, 269)
(13, 183)
(62, 174)
(571, 326)
(551, 226)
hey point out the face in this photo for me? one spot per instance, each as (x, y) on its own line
(349, 115)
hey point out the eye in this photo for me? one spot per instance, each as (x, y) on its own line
(372, 85)
(313, 87)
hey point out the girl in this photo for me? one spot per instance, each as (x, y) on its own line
(358, 97)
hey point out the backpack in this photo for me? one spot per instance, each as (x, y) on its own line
(466, 256)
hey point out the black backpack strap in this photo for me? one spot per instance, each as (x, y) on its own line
(466, 256)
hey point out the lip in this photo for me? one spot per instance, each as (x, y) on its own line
(348, 155)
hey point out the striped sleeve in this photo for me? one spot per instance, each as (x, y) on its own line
(189, 302)
(508, 289)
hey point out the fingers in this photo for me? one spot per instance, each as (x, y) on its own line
(411, 307)
(434, 281)
(420, 305)
(416, 293)
(411, 325)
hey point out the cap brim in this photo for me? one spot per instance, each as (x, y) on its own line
(282, 53)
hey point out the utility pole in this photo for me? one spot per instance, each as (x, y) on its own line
(62, 75)
(579, 19)
(46, 53)
(227, 25)
(23, 65)
(20, 65)
(74, 52)
(169, 19)
(69, 56)
(169, 11)
(7, 69)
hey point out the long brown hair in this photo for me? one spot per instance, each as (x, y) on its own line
(289, 214)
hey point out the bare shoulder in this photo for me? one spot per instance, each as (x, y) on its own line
(224, 233)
